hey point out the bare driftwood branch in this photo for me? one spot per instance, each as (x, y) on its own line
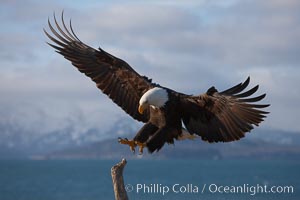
(118, 181)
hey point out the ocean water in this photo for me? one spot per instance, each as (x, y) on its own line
(150, 179)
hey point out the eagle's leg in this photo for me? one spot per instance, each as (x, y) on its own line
(143, 135)
(132, 144)
(141, 146)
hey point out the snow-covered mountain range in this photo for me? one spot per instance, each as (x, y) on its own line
(15, 142)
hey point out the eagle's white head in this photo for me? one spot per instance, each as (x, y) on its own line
(156, 97)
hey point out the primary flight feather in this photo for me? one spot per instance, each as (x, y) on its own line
(214, 116)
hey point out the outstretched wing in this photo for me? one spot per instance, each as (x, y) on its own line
(223, 116)
(112, 75)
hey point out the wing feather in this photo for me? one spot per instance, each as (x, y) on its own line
(223, 116)
(248, 93)
(112, 76)
(238, 88)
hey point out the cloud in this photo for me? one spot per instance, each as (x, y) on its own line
(185, 46)
(235, 38)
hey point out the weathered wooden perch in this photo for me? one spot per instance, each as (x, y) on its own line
(118, 181)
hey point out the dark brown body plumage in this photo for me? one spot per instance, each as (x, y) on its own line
(164, 124)
(214, 116)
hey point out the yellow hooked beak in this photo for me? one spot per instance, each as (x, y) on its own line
(141, 109)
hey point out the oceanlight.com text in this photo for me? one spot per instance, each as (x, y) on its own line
(248, 189)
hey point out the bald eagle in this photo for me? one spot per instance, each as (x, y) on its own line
(214, 116)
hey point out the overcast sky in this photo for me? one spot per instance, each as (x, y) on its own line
(185, 45)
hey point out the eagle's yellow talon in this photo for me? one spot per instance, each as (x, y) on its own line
(130, 143)
(141, 146)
